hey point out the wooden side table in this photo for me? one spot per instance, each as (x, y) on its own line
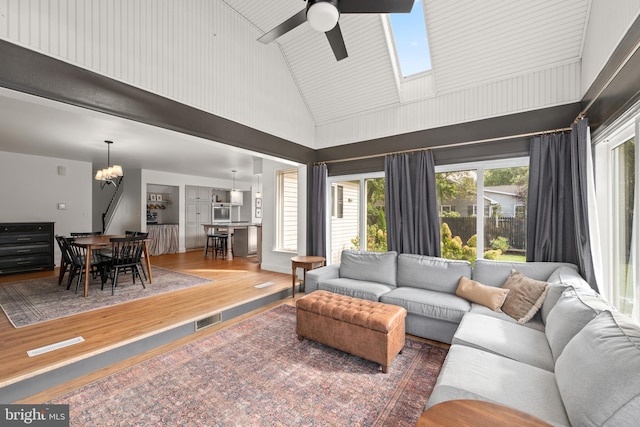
(477, 413)
(306, 263)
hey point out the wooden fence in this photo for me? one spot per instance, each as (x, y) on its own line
(514, 229)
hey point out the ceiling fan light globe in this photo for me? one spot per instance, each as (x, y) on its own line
(323, 16)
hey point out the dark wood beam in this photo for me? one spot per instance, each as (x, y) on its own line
(31, 72)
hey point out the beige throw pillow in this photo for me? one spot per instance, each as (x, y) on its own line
(488, 296)
(525, 296)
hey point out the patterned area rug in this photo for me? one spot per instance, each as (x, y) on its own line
(257, 373)
(38, 300)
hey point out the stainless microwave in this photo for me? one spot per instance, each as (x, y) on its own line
(221, 213)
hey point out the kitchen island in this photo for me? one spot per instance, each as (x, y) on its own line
(246, 241)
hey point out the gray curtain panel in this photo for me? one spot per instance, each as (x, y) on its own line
(557, 225)
(411, 208)
(579, 146)
(318, 225)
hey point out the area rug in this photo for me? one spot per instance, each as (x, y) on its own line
(38, 300)
(257, 373)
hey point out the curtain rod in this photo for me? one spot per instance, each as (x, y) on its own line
(458, 144)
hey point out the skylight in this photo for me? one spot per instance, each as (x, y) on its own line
(410, 37)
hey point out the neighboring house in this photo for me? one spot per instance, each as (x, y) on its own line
(502, 200)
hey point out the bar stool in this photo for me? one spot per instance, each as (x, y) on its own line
(220, 245)
(210, 245)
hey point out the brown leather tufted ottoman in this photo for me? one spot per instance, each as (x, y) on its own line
(371, 330)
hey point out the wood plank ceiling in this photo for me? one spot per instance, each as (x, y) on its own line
(471, 43)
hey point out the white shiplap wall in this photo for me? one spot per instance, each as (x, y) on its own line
(606, 27)
(199, 52)
(543, 88)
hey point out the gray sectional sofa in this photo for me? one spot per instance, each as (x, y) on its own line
(577, 362)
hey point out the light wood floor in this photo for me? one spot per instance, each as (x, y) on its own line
(114, 326)
(111, 327)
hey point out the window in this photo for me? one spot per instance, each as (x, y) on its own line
(617, 189)
(445, 209)
(357, 219)
(287, 210)
(498, 189)
(410, 39)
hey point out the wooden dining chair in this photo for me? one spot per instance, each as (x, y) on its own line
(144, 235)
(78, 256)
(126, 255)
(66, 263)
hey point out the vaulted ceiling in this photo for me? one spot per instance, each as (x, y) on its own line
(471, 43)
(489, 58)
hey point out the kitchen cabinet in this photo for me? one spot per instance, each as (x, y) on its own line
(26, 247)
(198, 212)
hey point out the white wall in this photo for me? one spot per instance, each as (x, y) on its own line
(31, 189)
(608, 23)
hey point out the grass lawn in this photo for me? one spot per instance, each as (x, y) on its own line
(512, 257)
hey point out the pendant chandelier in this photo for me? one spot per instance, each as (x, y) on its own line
(111, 172)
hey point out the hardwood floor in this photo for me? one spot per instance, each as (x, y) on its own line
(116, 326)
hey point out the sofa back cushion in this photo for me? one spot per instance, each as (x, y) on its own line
(431, 273)
(598, 374)
(559, 281)
(574, 309)
(494, 273)
(380, 267)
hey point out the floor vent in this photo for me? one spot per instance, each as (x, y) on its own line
(264, 285)
(55, 346)
(208, 321)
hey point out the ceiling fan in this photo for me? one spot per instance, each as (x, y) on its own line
(323, 16)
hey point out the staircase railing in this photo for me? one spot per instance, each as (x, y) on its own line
(109, 213)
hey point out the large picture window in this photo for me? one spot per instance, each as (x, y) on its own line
(357, 210)
(617, 189)
(485, 199)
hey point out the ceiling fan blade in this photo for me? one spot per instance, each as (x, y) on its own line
(337, 42)
(285, 27)
(376, 6)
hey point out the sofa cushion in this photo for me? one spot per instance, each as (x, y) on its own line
(432, 273)
(355, 288)
(561, 279)
(494, 273)
(380, 267)
(488, 296)
(505, 339)
(535, 323)
(525, 296)
(598, 373)
(572, 312)
(471, 373)
(427, 303)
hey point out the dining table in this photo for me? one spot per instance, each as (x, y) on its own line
(94, 243)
